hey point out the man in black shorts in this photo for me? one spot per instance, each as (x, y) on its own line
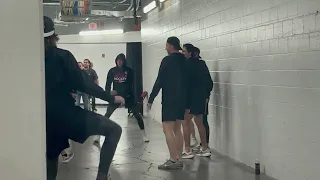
(198, 78)
(172, 80)
(65, 120)
(121, 77)
(205, 115)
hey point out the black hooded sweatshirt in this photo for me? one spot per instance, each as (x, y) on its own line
(122, 80)
(172, 79)
(63, 76)
(200, 83)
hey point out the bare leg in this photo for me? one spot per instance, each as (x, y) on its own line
(168, 127)
(178, 138)
(192, 131)
(202, 131)
(186, 132)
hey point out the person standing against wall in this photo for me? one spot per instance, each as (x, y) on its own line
(197, 93)
(210, 87)
(172, 80)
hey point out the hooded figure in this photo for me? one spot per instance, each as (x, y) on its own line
(121, 77)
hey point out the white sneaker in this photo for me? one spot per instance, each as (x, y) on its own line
(204, 153)
(144, 136)
(187, 155)
(96, 140)
(193, 142)
(145, 139)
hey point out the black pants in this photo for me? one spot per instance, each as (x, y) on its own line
(135, 110)
(103, 126)
(206, 126)
(94, 104)
(205, 122)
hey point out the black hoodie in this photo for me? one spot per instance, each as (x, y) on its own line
(63, 76)
(172, 79)
(122, 80)
(200, 83)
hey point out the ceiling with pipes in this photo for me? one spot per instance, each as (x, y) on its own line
(75, 16)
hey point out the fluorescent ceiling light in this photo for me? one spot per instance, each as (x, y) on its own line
(149, 7)
(103, 32)
(162, 1)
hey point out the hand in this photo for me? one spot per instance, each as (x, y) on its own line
(119, 100)
(149, 106)
(113, 93)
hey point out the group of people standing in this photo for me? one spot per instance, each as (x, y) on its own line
(183, 77)
(87, 67)
(186, 85)
(121, 78)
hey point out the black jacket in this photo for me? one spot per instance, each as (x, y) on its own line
(199, 80)
(63, 76)
(172, 80)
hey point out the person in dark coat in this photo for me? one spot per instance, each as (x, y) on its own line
(198, 90)
(65, 120)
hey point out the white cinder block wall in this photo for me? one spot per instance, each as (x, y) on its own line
(264, 57)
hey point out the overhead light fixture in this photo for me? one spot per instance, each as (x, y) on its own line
(103, 32)
(162, 1)
(149, 7)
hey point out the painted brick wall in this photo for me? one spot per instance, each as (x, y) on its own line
(264, 57)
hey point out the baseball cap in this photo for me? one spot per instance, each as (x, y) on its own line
(48, 26)
(175, 42)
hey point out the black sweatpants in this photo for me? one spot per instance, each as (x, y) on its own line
(205, 122)
(206, 126)
(96, 125)
(135, 110)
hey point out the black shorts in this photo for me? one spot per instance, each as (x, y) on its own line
(172, 113)
(197, 107)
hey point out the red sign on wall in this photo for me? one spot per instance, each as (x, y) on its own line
(93, 26)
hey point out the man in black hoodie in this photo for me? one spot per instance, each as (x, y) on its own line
(172, 80)
(66, 121)
(199, 88)
(121, 77)
(205, 115)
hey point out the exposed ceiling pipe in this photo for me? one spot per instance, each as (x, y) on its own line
(131, 7)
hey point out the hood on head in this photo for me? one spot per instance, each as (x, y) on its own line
(123, 58)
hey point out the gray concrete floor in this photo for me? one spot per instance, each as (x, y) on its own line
(136, 160)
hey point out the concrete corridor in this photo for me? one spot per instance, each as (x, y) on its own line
(135, 160)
